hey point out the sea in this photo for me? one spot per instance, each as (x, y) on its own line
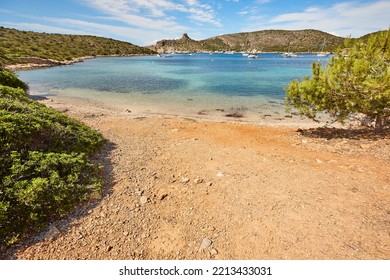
(199, 84)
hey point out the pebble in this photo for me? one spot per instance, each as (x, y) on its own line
(365, 146)
(206, 243)
(185, 180)
(52, 232)
(143, 199)
(198, 180)
(213, 252)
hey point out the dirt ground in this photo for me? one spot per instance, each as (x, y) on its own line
(188, 189)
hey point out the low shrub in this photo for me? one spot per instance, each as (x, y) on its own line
(45, 166)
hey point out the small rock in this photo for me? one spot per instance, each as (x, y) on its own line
(185, 180)
(198, 180)
(52, 233)
(361, 170)
(125, 233)
(213, 252)
(206, 243)
(209, 184)
(143, 199)
(138, 192)
(220, 174)
(319, 161)
(365, 146)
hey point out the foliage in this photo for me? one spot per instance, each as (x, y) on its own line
(45, 166)
(18, 46)
(9, 79)
(355, 84)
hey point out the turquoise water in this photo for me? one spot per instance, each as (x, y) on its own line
(207, 80)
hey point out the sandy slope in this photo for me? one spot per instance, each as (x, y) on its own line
(184, 189)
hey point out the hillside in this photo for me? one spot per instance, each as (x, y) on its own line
(259, 41)
(41, 48)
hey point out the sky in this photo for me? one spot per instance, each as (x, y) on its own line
(143, 22)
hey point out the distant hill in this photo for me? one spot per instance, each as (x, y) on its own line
(365, 37)
(260, 41)
(33, 47)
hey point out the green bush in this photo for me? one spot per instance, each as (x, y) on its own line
(45, 170)
(9, 79)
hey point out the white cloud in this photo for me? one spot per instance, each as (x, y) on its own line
(344, 19)
(132, 34)
(155, 14)
(42, 28)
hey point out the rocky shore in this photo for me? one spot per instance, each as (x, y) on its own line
(36, 62)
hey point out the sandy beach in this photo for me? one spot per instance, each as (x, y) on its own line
(197, 188)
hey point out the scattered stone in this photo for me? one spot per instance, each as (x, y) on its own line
(125, 233)
(365, 146)
(319, 161)
(52, 233)
(143, 199)
(185, 180)
(360, 170)
(209, 184)
(213, 252)
(128, 111)
(219, 174)
(138, 192)
(198, 180)
(206, 243)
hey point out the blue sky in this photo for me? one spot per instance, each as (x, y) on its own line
(143, 22)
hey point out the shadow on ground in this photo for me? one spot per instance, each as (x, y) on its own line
(342, 133)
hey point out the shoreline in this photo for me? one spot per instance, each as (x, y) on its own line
(47, 62)
(37, 63)
(270, 117)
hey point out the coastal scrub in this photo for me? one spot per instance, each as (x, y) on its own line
(355, 84)
(45, 162)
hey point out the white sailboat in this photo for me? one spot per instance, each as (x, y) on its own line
(289, 54)
(253, 56)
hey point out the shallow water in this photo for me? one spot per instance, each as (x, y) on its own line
(182, 84)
